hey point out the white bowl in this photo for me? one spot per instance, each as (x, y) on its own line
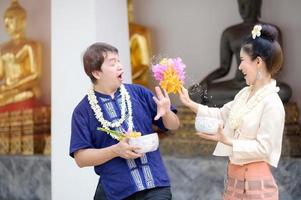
(207, 125)
(146, 143)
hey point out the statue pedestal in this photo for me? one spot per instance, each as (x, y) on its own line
(184, 143)
(25, 128)
(29, 103)
(292, 131)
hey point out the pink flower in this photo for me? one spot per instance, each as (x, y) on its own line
(158, 71)
(179, 67)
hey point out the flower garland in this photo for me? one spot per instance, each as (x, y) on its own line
(242, 106)
(126, 105)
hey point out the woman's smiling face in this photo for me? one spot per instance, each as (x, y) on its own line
(248, 67)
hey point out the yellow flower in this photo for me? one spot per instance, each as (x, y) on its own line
(171, 82)
(134, 134)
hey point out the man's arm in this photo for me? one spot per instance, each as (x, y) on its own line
(93, 157)
(171, 120)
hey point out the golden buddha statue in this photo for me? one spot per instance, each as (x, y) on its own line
(20, 60)
(139, 49)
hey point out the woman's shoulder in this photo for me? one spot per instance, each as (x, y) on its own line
(273, 98)
(273, 101)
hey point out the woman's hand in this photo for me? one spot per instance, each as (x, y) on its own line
(184, 97)
(217, 137)
(162, 101)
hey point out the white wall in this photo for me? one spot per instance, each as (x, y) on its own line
(73, 29)
(192, 30)
(112, 27)
(76, 25)
(38, 28)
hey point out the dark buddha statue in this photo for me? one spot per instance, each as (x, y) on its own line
(212, 92)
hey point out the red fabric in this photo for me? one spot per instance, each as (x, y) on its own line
(30, 103)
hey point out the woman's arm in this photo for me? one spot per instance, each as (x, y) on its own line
(202, 110)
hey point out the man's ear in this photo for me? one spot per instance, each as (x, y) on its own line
(96, 74)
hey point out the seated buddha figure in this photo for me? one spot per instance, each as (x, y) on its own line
(20, 60)
(213, 92)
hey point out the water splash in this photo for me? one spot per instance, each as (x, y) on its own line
(196, 90)
(155, 59)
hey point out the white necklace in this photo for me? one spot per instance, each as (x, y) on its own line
(242, 106)
(126, 104)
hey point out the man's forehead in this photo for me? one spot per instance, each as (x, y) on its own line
(111, 55)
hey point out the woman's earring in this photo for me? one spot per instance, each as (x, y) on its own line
(258, 75)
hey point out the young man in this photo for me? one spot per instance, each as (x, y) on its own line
(124, 174)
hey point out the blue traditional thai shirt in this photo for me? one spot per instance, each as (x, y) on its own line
(119, 177)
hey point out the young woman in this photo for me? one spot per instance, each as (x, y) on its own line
(253, 122)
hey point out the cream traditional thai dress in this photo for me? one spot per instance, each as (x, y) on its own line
(256, 127)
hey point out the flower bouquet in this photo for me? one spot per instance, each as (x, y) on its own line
(170, 73)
